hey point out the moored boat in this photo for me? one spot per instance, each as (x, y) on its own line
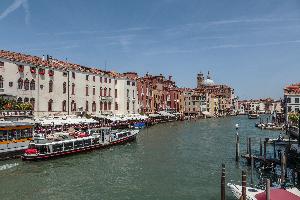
(253, 116)
(14, 138)
(259, 194)
(44, 148)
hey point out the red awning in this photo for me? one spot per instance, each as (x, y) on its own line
(278, 194)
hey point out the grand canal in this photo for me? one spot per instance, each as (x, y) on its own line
(174, 161)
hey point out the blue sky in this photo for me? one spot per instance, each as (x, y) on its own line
(251, 45)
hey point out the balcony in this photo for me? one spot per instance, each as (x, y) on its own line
(102, 98)
(1, 90)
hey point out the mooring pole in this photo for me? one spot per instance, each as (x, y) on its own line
(274, 149)
(244, 185)
(268, 189)
(237, 148)
(260, 147)
(223, 183)
(247, 145)
(250, 151)
(265, 150)
(283, 164)
(252, 169)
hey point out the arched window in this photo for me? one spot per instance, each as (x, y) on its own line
(20, 83)
(105, 90)
(32, 102)
(105, 105)
(109, 105)
(32, 85)
(1, 81)
(73, 88)
(86, 106)
(64, 88)
(116, 106)
(109, 92)
(50, 86)
(94, 106)
(50, 104)
(86, 90)
(26, 84)
(127, 93)
(64, 106)
(100, 91)
(101, 105)
(94, 90)
(26, 100)
(19, 100)
(73, 105)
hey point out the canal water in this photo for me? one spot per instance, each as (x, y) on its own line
(172, 161)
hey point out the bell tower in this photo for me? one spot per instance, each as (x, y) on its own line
(200, 80)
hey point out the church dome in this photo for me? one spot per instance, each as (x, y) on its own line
(209, 82)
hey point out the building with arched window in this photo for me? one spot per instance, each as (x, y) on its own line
(46, 85)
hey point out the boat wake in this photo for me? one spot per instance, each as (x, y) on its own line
(8, 166)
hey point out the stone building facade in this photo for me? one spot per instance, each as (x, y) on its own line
(59, 87)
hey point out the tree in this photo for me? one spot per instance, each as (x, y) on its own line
(294, 117)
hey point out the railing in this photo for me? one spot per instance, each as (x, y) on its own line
(106, 98)
(16, 113)
(1, 89)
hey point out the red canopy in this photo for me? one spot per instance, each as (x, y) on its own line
(278, 194)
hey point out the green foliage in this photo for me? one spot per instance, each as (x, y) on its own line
(6, 104)
(294, 117)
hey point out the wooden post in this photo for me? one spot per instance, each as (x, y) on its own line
(268, 189)
(247, 145)
(223, 183)
(252, 169)
(237, 148)
(265, 150)
(283, 164)
(250, 151)
(260, 147)
(274, 149)
(244, 185)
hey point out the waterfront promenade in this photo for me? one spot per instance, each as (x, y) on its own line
(177, 160)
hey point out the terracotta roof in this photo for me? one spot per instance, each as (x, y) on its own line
(52, 63)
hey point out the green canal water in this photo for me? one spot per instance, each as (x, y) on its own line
(173, 161)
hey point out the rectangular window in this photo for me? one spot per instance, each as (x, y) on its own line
(65, 74)
(105, 80)
(127, 105)
(100, 79)
(288, 100)
(116, 106)
(94, 91)
(296, 100)
(87, 91)
(116, 93)
(73, 75)
(87, 77)
(116, 82)
(128, 82)
(1, 64)
(133, 84)
(109, 80)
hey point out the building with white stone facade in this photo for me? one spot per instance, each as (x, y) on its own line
(60, 87)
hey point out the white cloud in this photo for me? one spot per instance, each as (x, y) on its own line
(14, 6)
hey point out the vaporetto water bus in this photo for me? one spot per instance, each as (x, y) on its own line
(14, 137)
(61, 144)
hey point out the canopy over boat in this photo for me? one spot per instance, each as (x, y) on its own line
(278, 194)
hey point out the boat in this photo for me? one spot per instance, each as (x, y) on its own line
(252, 193)
(61, 144)
(253, 115)
(14, 137)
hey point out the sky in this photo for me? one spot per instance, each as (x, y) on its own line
(250, 45)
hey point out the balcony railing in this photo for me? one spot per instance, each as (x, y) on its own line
(16, 113)
(102, 98)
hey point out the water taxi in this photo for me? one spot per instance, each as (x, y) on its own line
(61, 144)
(14, 137)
